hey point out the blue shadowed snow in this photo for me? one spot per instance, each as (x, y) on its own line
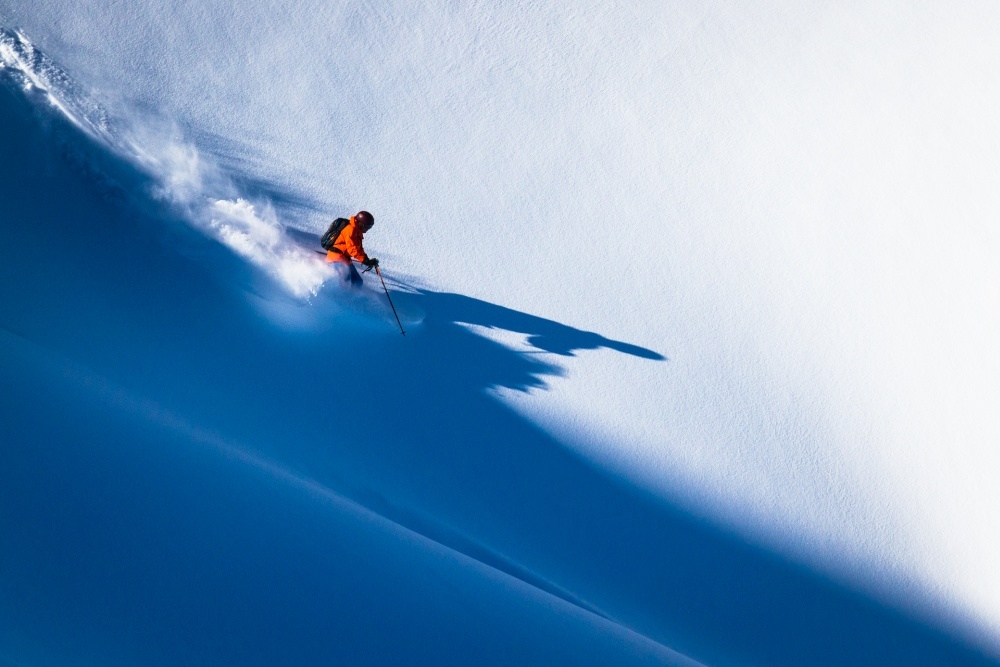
(197, 469)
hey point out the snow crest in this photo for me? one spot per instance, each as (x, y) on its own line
(34, 71)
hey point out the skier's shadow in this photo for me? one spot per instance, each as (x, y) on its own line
(542, 334)
(486, 363)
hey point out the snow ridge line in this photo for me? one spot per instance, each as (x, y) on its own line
(121, 398)
(33, 70)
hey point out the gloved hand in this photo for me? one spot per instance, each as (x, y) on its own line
(371, 263)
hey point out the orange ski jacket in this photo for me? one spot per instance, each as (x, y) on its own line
(348, 244)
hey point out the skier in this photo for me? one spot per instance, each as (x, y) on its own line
(343, 242)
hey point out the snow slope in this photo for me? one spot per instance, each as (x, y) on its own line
(775, 449)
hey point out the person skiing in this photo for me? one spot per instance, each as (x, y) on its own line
(343, 243)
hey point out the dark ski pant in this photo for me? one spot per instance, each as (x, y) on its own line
(352, 273)
(354, 276)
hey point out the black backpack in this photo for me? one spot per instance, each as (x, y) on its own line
(331, 235)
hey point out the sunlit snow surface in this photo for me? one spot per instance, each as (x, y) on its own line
(682, 283)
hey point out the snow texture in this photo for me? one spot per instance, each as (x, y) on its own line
(701, 305)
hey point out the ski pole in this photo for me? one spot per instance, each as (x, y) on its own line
(390, 300)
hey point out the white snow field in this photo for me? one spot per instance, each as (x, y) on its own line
(702, 304)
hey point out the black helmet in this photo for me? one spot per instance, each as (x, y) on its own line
(366, 219)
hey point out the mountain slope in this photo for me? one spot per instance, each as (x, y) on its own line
(201, 467)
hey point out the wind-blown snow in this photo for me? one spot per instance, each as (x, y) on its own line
(788, 212)
(183, 176)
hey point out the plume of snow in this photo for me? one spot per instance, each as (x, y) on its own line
(259, 237)
(183, 177)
